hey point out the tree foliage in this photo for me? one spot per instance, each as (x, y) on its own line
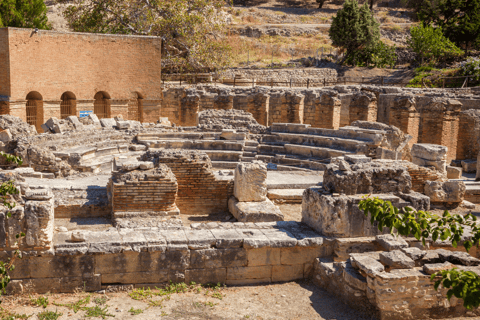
(431, 45)
(458, 19)
(23, 14)
(354, 28)
(192, 30)
(424, 225)
(379, 55)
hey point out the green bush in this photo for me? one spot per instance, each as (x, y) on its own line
(471, 67)
(378, 55)
(23, 14)
(431, 45)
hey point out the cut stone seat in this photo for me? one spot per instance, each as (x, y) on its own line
(177, 136)
(222, 155)
(197, 144)
(288, 195)
(309, 164)
(224, 164)
(374, 137)
(357, 146)
(104, 163)
(302, 151)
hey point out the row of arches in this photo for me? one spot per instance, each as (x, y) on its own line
(68, 106)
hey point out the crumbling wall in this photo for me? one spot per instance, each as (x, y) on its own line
(363, 107)
(199, 191)
(468, 135)
(218, 120)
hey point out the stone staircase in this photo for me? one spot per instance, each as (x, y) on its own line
(250, 151)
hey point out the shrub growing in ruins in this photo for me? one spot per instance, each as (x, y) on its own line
(23, 14)
(431, 45)
(354, 28)
(471, 67)
(422, 224)
(379, 55)
(192, 30)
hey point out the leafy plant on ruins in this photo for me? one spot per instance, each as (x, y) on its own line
(355, 30)
(458, 19)
(192, 30)
(471, 67)
(10, 158)
(7, 189)
(23, 14)
(423, 224)
(40, 302)
(431, 45)
(49, 315)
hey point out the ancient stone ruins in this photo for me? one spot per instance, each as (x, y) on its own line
(128, 174)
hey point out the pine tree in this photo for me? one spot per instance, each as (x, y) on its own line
(354, 28)
(23, 14)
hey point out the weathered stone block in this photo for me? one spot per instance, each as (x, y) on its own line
(429, 151)
(250, 181)
(204, 276)
(263, 257)
(214, 258)
(436, 267)
(108, 122)
(366, 264)
(39, 217)
(296, 255)
(240, 273)
(261, 211)
(448, 191)
(454, 172)
(440, 165)
(287, 272)
(469, 166)
(396, 259)
(390, 243)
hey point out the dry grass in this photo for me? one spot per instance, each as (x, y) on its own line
(284, 49)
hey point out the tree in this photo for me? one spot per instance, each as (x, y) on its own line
(459, 19)
(430, 44)
(23, 14)
(354, 28)
(191, 29)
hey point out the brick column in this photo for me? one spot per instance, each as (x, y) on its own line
(4, 107)
(223, 102)
(363, 107)
(259, 108)
(327, 111)
(468, 135)
(404, 115)
(439, 124)
(294, 103)
(189, 110)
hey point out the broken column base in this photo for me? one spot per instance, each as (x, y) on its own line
(263, 211)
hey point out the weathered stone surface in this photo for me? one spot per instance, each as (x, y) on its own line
(339, 216)
(206, 276)
(264, 211)
(93, 117)
(448, 191)
(108, 122)
(396, 259)
(357, 158)
(417, 200)
(39, 194)
(439, 165)
(146, 165)
(231, 134)
(436, 267)
(343, 165)
(366, 264)
(39, 217)
(458, 257)
(390, 243)
(372, 177)
(250, 181)
(79, 236)
(414, 253)
(217, 258)
(5, 136)
(122, 125)
(429, 151)
(200, 239)
(469, 166)
(454, 172)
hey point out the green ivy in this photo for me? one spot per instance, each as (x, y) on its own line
(10, 158)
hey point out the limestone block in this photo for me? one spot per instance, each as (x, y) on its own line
(436, 267)
(396, 259)
(440, 165)
(417, 200)
(449, 191)
(364, 178)
(343, 165)
(158, 276)
(215, 258)
(76, 123)
(5, 136)
(287, 273)
(457, 257)
(429, 151)
(469, 166)
(50, 123)
(93, 117)
(467, 204)
(477, 176)
(123, 125)
(386, 154)
(264, 211)
(366, 264)
(240, 273)
(138, 147)
(231, 134)
(45, 128)
(205, 276)
(108, 122)
(79, 236)
(39, 216)
(339, 216)
(131, 165)
(390, 243)
(251, 181)
(296, 255)
(164, 121)
(146, 165)
(200, 239)
(39, 194)
(357, 158)
(454, 172)
(414, 253)
(263, 256)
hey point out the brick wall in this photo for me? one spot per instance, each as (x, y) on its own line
(199, 191)
(468, 135)
(4, 64)
(363, 108)
(152, 195)
(327, 114)
(404, 116)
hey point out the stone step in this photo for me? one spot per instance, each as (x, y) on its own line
(351, 145)
(196, 144)
(250, 149)
(307, 164)
(303, 151)
(224, 164)
(374, 137)
(178, 136)
(248, 159)
(249, 154)
(289, 195)
(251, 143)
